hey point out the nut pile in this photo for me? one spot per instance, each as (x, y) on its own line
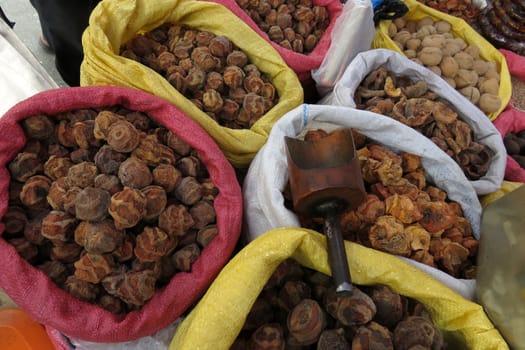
(434, 46)
(464, 9)
(298, 309)
(404, 215)
(413, 104)
(294, 24)
(209, 70)
(515, 146)
(108, 204)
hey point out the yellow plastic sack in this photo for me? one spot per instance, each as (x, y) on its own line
(114, 22)
(218, 318)
(506, 187)
(461, 29)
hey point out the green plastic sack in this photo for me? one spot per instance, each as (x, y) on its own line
(219, 316)
(461, 29)
(114, 22)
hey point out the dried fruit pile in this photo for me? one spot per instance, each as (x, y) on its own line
(108, 204)
(413, 104)
(515, 146)
(298, 309)
(433, 45)
(404, 215)
(294, 24)
(458, 8)
(209, 70)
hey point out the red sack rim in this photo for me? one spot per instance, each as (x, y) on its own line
(300, 63)
(49, 305)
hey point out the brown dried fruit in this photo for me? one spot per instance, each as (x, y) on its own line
(34, 192)
(416, 332)
(25, 165)
(94, 267)
(306, 321)
(122, 136)
(372, 336)
(437, 216)
(267, 337)
(184, 258)
(67, 253)
(82, 175)
(153, 243)
(402, 208)
(154, 153)
(167, 176)
(58, 226)
(108, 160)
(206, 234)
(135, 173)
(357, 309)
(388, 234)
(370, 209)
(92, 204)
(99, 237)
(24, 248)
(176, 220)
(189, 191)
(109, 183)
(127, 207)
(81, 289)
(38, 127)
(203, 214)
(389, 305)
(15, 220)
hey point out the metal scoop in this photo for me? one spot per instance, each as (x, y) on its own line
(325, 180)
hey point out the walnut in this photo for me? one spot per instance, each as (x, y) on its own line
(153, 243)
(82, 175)
(127, 207)
(25, 165)
(94, 267)
(156, 201)
(134, 172)
(92, 204)
(176, 220)
(388, 234)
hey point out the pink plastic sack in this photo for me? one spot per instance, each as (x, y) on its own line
(47, 304)
(512, 119)
(300, 63)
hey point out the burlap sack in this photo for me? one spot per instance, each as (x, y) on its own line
(461, 29)
(33, 291)
(218, 318)
(113, 23)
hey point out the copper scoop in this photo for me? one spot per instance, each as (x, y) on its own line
(325, 180)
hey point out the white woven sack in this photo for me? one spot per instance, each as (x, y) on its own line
(484, 131)
(267, 175)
